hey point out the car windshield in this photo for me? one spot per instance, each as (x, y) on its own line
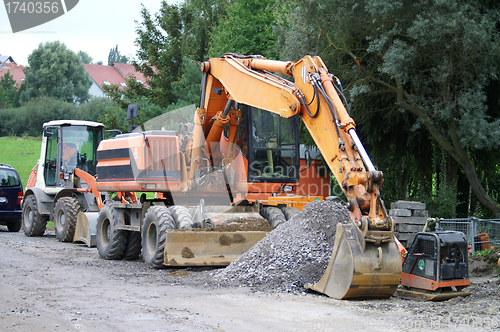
(8, 178)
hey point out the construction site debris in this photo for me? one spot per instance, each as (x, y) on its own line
(294, 254)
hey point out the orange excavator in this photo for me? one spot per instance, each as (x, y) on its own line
(240, 160)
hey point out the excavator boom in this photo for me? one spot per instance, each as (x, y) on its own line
(365, 261)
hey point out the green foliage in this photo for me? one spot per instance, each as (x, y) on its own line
(28, 119)
(85, 58)
(114, 56)
(247, 28)
(9, 94)
(200, 17)
(57, 72)
(187, 88)
(159, 51)
(21, 153)
(412, 68)
(482, 253)
(442, 203)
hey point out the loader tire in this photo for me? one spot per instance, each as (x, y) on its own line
(154, 232)
(34, 223)
(182, 217)
(273, 215)
(65, 213)
(133, 248)
(111, 243)
(289, 212)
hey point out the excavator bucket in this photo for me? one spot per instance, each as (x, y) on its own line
(360, 269)
(207, 248)
(86, 228)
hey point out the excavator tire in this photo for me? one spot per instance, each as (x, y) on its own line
(133, 248)
(111, 243)
(289, 212)
(65, 213)
(182, 217)
(34, 223)
(154, 232)
(273, 215)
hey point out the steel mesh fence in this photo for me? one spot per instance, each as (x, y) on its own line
(481, 233)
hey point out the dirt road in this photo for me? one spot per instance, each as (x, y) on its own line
(47, 285)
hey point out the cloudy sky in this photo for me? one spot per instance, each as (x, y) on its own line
(92, 26)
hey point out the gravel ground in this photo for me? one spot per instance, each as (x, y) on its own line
(54, 286)
(296, 253)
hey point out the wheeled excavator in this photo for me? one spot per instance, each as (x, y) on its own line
(240, 157)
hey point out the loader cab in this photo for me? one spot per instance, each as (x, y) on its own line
(271, 145)
(69, 145)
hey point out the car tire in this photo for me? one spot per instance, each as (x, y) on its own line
(15, 226)
(65, 213)
(34, 223)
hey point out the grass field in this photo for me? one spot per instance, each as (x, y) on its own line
(22, 153)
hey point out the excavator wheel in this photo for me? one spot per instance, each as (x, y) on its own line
(65, 214)
(133, 248)
(273, 215)
(182, 217)
(111, 243)
(154, 232)
(34, 223)
(289, 212)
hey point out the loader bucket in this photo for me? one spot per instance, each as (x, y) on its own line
(356, 272)
(86, 228)
(207, 248)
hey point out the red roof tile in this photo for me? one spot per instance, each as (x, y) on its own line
(101, 74)
(17, 74)
(126, 70)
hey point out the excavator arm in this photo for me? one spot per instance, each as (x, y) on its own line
(313, 97)
(365, 260)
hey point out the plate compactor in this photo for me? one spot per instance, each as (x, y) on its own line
(436, 266)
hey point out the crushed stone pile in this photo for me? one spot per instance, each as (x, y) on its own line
(294, 254)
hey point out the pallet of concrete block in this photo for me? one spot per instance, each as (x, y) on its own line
(409, 218)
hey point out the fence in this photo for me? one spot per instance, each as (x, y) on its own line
(474, 230)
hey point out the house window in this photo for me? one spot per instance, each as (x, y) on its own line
(139, 81)
(123, 84)
(105, 82)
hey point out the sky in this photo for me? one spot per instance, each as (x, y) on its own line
(91, 26)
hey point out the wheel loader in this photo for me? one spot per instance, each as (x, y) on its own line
(59, 186)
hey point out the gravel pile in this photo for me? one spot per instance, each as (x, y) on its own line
(294, 254)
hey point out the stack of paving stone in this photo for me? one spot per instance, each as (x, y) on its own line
(410, 218)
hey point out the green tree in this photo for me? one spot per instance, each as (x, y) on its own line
(114, 56)
(54, 70)
(433, 59)
(9, 95)
(200, 18)
(247, 28)
(85, 58)
(159, 51)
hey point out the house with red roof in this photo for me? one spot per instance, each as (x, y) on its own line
(8, 65)
(108, 75)
(6, 61)
(16, 73)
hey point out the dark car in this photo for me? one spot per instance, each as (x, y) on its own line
(11, 194)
